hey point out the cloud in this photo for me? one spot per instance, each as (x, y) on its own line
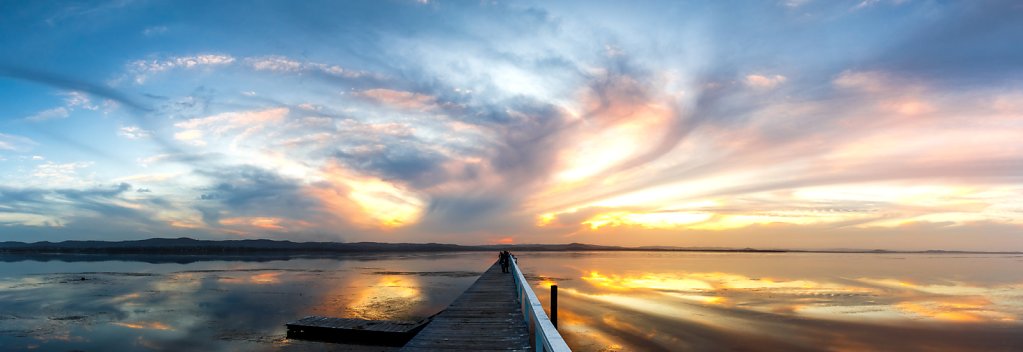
(193, 137)
(400, 99)
(50, 114)
(61, 208)
(365, 201)
(795, 3)
(774, 137)
(73, 13)
(958, 44)
(141, 70)
(275, 63)
(870, 81)
(224, 122)
(757, 81)
(407, 162)
(609, 133)
(249, 122)
(133, 132)
(470, 213)
(865, 4)
(287, 65)
(243, 199)
(154, 31)
(10, 142)
(73, 100)
(71, 83)
(26, 207)
(248, 188)
(60, 174)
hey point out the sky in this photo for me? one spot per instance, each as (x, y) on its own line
(768, 124)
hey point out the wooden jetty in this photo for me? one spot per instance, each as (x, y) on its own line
(499, 312)
(359, 331)
(486, 317)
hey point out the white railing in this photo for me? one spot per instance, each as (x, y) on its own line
(546, 335)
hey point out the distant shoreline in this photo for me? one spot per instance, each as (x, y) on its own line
(188, 246)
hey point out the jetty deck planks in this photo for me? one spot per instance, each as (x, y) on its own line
(376, 332)
(485, 317)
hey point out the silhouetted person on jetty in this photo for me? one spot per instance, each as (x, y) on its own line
(505, 261)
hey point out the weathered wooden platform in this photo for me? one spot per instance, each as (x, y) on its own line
(359, 331)
(487, 317)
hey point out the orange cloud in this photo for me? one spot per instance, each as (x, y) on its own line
(244, 226)
(266, 223)
(764, 81)
(365, 200)
(506, 240)
(650, 220)
(223, 122)
(400, 99)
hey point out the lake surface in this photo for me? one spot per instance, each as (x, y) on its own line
(609, 301)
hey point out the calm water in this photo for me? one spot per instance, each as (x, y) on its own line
(608, 301)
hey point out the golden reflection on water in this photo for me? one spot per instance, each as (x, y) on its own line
(650, 301)
(388, 297)
(155, 325)
(546, 282)
(647, 281)
(269, 278)
(586, 327)
(956, 302)
(216, 305)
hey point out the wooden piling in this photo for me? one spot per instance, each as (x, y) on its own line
(554, 305)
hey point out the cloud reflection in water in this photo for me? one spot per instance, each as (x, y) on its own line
(659, 301)
(214, 305)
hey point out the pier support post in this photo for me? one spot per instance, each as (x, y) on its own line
(554, 305)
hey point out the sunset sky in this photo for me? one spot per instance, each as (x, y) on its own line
(894, 124)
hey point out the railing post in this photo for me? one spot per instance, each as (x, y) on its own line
(539, 342)
(554, 305)
(545, 334)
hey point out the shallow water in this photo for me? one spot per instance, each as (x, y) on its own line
(670, 301)
(608, 301)
(222, 305)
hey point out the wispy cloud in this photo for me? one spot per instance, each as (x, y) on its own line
(60, 174)
(73, 100)
(758, 81)
(71, 83)
(284, 64)
(154, 31)
(133, 132)
(400, 99)
(50, 114)
(9, 142)
(141, 70)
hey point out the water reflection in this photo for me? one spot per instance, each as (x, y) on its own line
(144, 325)
(610, 301)
(670, 301)
(386, 299)
(215, 305)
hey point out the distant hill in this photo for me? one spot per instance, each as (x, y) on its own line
(188, 246)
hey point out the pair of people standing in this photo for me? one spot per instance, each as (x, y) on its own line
(504, 258)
